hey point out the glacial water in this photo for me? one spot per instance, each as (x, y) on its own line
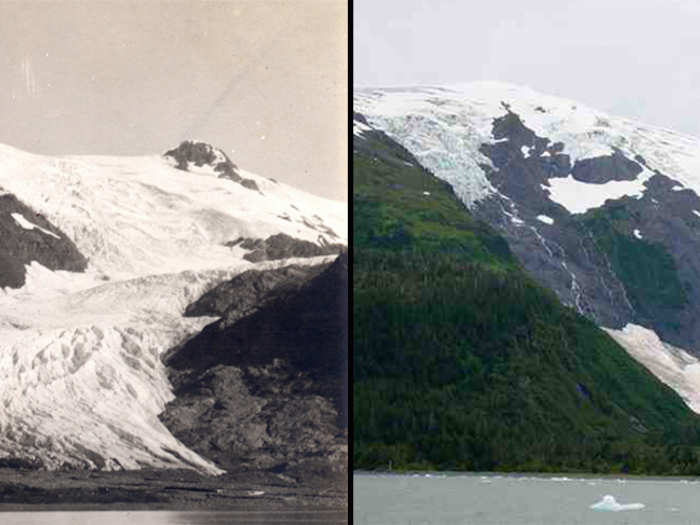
(474, 499)
(172, 517)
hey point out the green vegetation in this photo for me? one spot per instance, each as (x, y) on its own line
(461, 361)
(646, 269)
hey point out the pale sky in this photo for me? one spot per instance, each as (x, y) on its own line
(633, 58)
(265, 80)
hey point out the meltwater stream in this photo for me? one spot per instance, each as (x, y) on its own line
(475, 499)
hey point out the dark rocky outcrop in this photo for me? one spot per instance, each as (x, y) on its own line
(203, 154)
(599, 170)
(631, 260)
(283, 246)
(250, 290)
(268, 390)
(21, 246)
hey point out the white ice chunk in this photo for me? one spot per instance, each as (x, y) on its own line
(545, 219)
(27, 225)
(525, 151)
(637, 234)
(609, 503)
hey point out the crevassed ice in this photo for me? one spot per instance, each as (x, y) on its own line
(445, 125)
(81, 377)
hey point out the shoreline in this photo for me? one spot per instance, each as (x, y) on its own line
(522, 474)
(168, 490)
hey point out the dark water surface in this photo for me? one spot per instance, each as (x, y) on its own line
(473, 499)
(170, 517)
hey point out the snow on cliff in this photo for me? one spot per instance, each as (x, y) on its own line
(444, 126)
(81, 380)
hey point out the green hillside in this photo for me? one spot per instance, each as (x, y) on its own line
(462, 362)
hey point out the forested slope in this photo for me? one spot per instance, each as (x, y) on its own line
(461, 361)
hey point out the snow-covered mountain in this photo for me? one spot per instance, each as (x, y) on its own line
(602, 210)
(99, 258)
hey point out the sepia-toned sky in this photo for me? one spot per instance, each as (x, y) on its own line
(265, 80)
(633, 58)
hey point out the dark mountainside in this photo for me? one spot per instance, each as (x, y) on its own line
(265, 387)
(593, 261)
(283, 246)
(462, 361)
(203, 154)
(21, 246)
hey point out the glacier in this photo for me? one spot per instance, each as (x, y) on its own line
(82, 381)
(444, 126)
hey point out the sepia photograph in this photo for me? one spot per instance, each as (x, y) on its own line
(174, 261)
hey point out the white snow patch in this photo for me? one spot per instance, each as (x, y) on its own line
(358, 128)
(673, 366)
(696, 212)
(426, 193)
(525, 150)
(27, 225)
(637, 234)
(515, 220)
(677, 188)
(609, 503)
(545, 219)
(545, 154)
(579, 197)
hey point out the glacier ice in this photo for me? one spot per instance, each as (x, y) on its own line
(444, 127)
(81, 377)
(671, 365)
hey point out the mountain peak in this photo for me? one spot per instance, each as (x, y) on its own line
(195, 153)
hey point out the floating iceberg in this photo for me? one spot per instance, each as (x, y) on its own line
(608, 503)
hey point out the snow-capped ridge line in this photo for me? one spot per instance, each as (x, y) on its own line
(444, 125)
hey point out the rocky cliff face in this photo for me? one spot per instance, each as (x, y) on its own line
(191, 154)
(603, 211)
(283, 246)
(28, 236)
(625, 261)
(266, 386)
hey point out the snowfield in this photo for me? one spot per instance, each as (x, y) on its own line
(673, 366)
(81, 380)
(443, 126)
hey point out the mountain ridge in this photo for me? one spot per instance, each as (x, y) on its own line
(578, 194)
(461, 360)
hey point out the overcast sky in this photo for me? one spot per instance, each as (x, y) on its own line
(633, 58)
(266, 80)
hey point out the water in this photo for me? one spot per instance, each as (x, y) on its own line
(473, 499)
(171, 517)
